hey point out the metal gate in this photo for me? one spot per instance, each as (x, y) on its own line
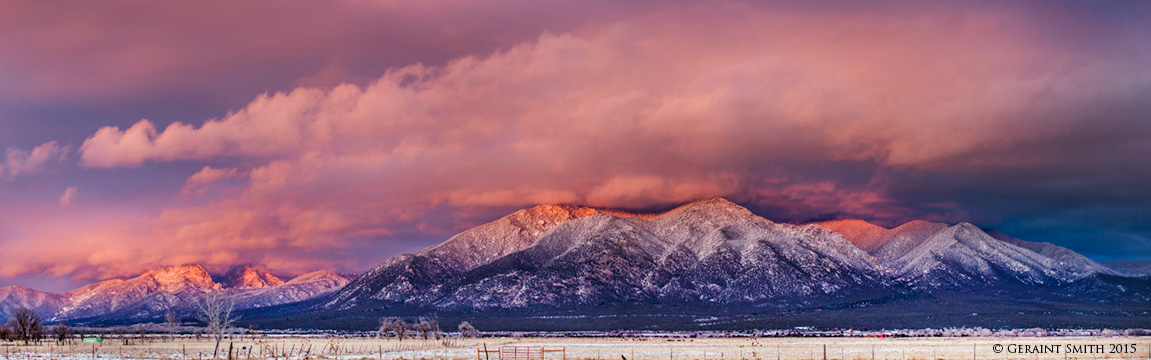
(521, 353)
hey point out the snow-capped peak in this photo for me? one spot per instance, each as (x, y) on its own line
(322, 275)
(862, 234)
(963, 253)
(713, 206)
(178, 278)
(249, 277)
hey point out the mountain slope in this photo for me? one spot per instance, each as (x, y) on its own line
(412, 274)
(108, 296)
(864, 235)
(963, 256)
(300, 288)
(1071, 262)
(745, 258)
(906, 237)
(885, 244)
(247, 277)
(303, 287)
(934, 255)
(1130, 268)
(12, 297)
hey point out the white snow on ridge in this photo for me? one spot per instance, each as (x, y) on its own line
(153, 293)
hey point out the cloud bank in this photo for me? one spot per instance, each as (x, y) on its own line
(887, 114)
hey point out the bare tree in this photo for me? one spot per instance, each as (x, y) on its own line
(422, 328)
(385, 327)
(468, 331)
(216, 311)
(401, 328)
(435, 325)
(428, 326)
(26, 325)
(62, 331)
(171, 320)
(5, 333)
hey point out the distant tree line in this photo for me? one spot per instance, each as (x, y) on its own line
(427, 327)
(217, 312)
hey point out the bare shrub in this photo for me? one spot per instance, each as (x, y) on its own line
(468, 331)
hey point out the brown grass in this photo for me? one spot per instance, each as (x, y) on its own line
(320, 347)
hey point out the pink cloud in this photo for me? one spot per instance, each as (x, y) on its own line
(652, 110)
(826, 197)
(699, 93)
(69, 196)
(642, 191)
(201, 181)
(19, 162)
(123, 49)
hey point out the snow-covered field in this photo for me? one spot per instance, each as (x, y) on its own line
(303, 347)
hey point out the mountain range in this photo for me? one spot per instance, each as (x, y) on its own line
(713, 251)
(150, 295)
(716, 254)
(710, 263)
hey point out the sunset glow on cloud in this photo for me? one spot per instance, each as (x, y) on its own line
(359, 141)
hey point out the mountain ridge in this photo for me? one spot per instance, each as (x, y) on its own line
(711, 252)
(248, 277)
(686, 252)
(155, 291)
(1130, 268)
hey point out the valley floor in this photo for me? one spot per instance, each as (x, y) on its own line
(320, 347)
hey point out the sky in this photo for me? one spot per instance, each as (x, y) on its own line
(331, 135)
